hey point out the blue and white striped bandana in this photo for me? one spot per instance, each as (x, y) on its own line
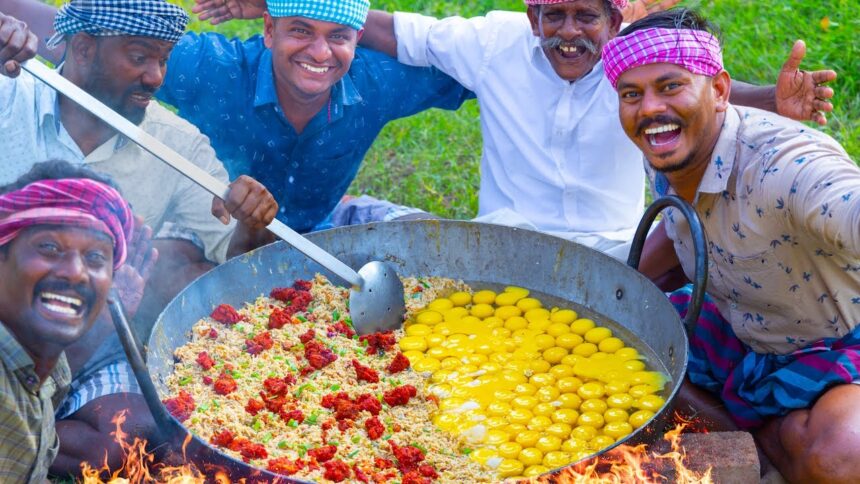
(351, 13)
(146, 18)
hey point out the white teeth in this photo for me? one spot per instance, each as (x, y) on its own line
(317, 70)
(568, 49)
(61, 309)
(59, 297)
(662, 129)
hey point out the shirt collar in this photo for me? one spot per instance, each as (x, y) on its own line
(13, 354)
(716, 177)
(344, 92)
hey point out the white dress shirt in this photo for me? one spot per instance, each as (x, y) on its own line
(555, 155)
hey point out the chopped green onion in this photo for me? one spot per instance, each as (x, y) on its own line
(257, 424)
(335, 387)
(466, 451)
(424, 283)
(236, 374)
(216, 404)
(278, 358)
(387, 437)
(239, 328)
(352, 454)
(255, 375)
(415, 295)
(335, 315)
(360, 350)
(293, 423)
(267, 437)
(301, 318)
(364, 343)
(422, 449)
(271, 374)
(312, 418)
(194, 420)
(348, 320)
(185, 380)
(356, 439)
(283, 444)
(303, 449)
(202, 407)
(333, 442)
(301, 389)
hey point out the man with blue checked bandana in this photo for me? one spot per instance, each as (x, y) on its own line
(117, 51)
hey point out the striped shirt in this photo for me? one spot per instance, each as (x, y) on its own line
(29, 443)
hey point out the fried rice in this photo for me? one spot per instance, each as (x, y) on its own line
(292, 390)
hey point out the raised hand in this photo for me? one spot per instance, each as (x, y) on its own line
(637, 9)
(802, 95)
(130, 279)
(17, 44)
(220, 11)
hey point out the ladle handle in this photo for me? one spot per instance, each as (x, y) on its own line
(183, 166)
(699, 246)
(133, 351)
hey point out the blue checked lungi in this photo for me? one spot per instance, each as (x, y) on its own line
(753, 386)
(117, 377)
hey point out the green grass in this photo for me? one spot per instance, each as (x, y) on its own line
(431, 160)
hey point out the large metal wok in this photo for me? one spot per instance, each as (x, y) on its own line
(612, 293)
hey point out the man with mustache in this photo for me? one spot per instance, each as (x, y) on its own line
(63, 239)
(117, 50)
(555, 157)
(778, 341)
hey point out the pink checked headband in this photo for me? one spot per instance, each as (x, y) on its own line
(619, 4)
(695, 50)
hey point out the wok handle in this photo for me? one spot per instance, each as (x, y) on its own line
(183, 166)
(165, 427)
(700, 281)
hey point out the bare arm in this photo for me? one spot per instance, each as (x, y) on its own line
(379, 33)
(39, 18)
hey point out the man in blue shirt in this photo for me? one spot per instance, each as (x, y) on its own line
(301, 133)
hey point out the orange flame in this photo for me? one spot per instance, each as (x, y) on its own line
(640, 464)
(139, 466)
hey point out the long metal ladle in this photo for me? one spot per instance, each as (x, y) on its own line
(376, 295)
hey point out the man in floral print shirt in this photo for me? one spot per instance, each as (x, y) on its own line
(777, 340)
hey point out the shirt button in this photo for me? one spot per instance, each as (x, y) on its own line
(734, 306)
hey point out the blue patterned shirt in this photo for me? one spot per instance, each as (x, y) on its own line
(780, 205)
(226, 88)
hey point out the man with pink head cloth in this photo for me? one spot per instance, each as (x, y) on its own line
(554, 157)
(778, 340)
(61, 242)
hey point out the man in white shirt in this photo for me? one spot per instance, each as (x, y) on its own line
(555, 157)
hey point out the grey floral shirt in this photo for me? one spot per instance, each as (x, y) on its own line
(780, 205)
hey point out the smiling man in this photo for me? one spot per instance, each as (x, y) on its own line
(61, 240)
(554, 156)
(778, 341)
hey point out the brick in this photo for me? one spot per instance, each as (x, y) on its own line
(732, 456)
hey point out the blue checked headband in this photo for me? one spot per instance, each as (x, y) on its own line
(351, 13)
(145, 18)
